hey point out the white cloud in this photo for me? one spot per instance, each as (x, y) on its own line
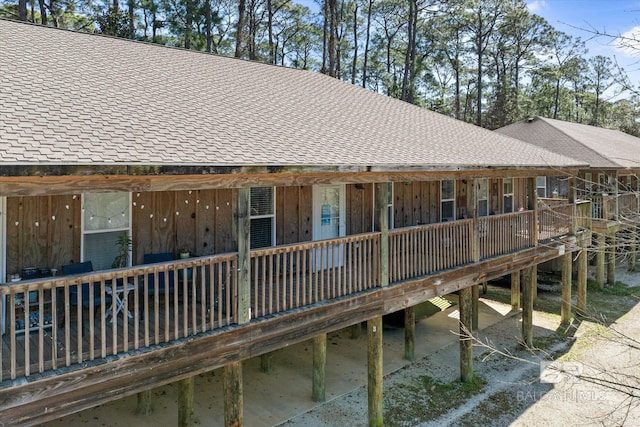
(536, 5)
(629, 42)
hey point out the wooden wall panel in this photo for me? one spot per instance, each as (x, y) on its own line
(143, 220)
(305, 213)
(185, 216)
(463, 189)
(42, 232)
(64, 244)
(520, 194)
(224, 234)
(206, 222)
(495, 196)
(164, 230)
(359, 208)
(434, 202)
(293, 214)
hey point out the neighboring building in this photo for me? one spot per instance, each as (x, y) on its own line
(610, 182)
(306, 205)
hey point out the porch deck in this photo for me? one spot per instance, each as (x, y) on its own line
(202, 293)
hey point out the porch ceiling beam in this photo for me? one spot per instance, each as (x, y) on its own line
(52, 185)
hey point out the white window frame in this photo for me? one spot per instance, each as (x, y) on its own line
(485, 198)
(443, 200)
(541, 186)
(86, 232)
(272, 215)
(506, 194)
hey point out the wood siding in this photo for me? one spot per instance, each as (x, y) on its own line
(293, 214)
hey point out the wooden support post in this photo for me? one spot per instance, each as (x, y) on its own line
(565, 309)
(534, 284)
(466, 345)
(144, 406)
(515, 290)
(383, 194)
(319, 367)
(266, 362)
(631, 262)
(600, 257)
(233, 399)
(485, 287)
(410, 333)
(356, 331)
(611, 261)
(475, 296)
(581, 305)
(527, 306)
(375, 371)
(185, 402)
(243, 226)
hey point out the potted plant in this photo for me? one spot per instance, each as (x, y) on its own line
(124, 249)
(184, 253)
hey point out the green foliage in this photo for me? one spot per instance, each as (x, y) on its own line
(124, 249)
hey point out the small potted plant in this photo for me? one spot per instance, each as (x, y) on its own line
(184, 253)
(124, 249)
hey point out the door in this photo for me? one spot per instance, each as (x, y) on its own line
(329, 222)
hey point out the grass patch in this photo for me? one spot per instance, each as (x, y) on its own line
(426, 399)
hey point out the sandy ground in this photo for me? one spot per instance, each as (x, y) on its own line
(513, 394)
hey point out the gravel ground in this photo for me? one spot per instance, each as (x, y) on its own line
(511, 391)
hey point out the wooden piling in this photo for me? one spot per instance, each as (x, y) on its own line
(375, 371)
(611, 260)
(233, 399)
(409, 333)
(319, 367)
(581, 305)
(466, 345)
(266, 362)
(527, 306)
(515, 290)
(475, 296)
(600, 257)
(185, 402)
(144, 406)
(565, 309)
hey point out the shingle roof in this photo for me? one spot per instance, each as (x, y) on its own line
(80, 99)
(600, 147)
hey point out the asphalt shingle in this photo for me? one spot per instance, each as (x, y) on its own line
(74, 98)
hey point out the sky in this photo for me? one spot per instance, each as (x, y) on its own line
(615, 17)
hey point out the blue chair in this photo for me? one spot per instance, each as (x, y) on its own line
(162, 286)
(79, 268)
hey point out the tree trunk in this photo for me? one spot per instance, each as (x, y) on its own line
(354, 64)
(208, 25)
(22, 10)
(188, 24)
(409, 61)
(43, 12)
(366, 45)
(272, 53)
(131, 4)
(240, 28)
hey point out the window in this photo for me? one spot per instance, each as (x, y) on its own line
(105, 217)
(541, 186)
(507, 195)
(483, 197)
(447, 200)
(588, 183)
(263, 217)
(374, 214)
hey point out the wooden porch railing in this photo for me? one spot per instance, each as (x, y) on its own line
(60, 321)
(65, 320)
(424, 249)
(292, 276)
(501, 234)
(554, 221)
(584, 215)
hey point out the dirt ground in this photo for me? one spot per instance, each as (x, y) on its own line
(508, 390)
